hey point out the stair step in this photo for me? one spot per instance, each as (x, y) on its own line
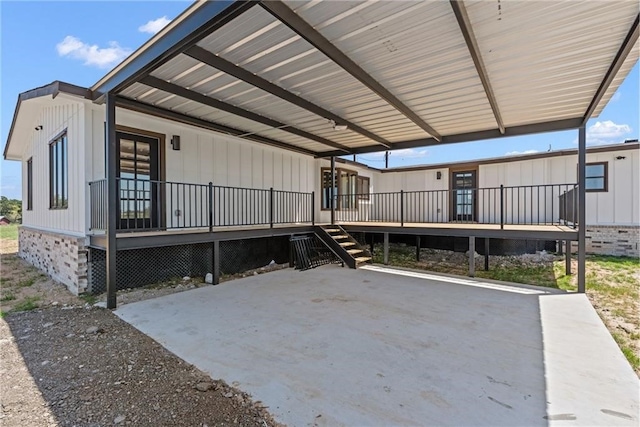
(361, 259)
(341, 237)
(345, 244)
(354, 251)
(332, 230)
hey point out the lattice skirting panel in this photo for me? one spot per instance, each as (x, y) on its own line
(142, 267)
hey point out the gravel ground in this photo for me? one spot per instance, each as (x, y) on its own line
(79, 366)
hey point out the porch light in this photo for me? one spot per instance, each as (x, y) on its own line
(175, 142)
(337, 126)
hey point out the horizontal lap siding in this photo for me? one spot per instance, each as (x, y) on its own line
(54, 118)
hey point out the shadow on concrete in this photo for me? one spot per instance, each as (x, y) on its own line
(334, 346)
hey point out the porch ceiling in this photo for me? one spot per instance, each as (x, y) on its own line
(396, 74)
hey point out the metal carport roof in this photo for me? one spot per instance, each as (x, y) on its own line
(396, 74)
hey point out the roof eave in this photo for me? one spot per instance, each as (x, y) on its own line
(53, 89)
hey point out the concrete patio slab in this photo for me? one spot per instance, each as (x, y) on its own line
(380, 347)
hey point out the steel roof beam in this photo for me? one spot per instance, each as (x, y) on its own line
(203, 55)
(250, 115)
(162, 113)
(472, 44)
(552, 126)
(207, 19)
(623, 52)
(292, 20)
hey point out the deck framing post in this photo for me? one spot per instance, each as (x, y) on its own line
(386, 249)
(216, 262)
(582, 204)
(567, 256)
(333, 190)
(486, 253)
(418, 245)
(472, 258)
(112, 199)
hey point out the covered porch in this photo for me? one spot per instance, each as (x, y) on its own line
(313, 80)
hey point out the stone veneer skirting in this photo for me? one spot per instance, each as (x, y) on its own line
(612, 240)
(62, 256)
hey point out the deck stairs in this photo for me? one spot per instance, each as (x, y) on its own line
(344, 245)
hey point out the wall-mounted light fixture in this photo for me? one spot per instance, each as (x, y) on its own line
(438, 175)
(620, 158)
(175, 142)
(38, 128)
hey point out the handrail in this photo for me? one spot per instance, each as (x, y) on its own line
(503, 205)
(153, 204)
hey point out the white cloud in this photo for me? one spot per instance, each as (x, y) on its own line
(607, 132)
(154, 25)
(92, 55)
(515, 153)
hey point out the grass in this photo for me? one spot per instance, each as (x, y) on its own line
(613, 284)
(27, 304)
(89, 298)
(8, 297)
(9, 232)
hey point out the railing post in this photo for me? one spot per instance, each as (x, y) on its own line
(402, 208)
(501, 206)
(313, 208)
(210, 206)
(271, 207)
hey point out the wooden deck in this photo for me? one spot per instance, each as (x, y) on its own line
(154, 238)
(459, 229)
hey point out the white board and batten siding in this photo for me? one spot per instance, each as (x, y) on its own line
(56, 116)
(207, 156)
(619, 205)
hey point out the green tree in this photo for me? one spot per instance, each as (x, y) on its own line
(11, 208)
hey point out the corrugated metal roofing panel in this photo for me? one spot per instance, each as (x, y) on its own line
(547, 59)
(241, 94)
(416, 50)
(282, 57)
(617, 81)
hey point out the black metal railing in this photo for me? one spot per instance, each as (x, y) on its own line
(98, 204)
(152, 205)
(568, 201)
(512, 205)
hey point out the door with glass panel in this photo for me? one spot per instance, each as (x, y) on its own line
(139, 192)
(463, 196)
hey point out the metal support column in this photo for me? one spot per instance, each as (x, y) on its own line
(333, 190)
(418, 248)
(582, 204)
(112, 198)
(472, 258)
(567, 256)
(486, 253)
(216, 262)
(386, 249)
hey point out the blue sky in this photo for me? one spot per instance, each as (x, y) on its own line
(78, 42)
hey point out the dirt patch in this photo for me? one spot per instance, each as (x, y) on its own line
(85, 366)
(67, 363)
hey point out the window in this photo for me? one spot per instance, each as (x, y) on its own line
(344, 189)
(30, 184)
(58, 173)
(596, 177)
(363, 188)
